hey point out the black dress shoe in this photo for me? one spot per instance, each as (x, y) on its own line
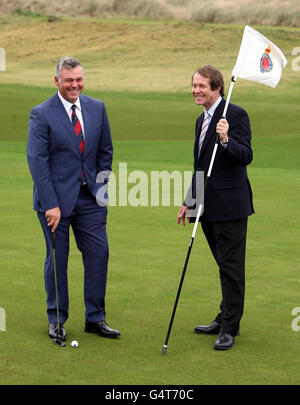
(211, 329)
(224, 341)
(102, 329)
(54, 333)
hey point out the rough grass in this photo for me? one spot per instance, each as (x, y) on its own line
(121, 55)
(269, 12)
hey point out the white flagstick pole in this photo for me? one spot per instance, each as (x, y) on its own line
(233, 80)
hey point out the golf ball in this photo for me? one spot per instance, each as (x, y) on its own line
(74, 343)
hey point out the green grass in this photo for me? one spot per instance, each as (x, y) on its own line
(154, 131)
(147, 253)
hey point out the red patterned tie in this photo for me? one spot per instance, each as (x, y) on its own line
(78, 131)
(77, 128)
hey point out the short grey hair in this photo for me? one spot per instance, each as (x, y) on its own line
(67, 62)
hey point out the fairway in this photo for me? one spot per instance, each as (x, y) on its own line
(146, 88)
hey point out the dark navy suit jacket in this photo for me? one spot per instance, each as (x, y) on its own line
(54, 158)
(228, 194)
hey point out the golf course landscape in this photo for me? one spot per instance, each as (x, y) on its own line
(141, 69)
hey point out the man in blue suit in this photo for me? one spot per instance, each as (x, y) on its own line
(227, 198)
(69, 153)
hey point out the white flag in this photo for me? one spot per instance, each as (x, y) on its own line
(259, 60)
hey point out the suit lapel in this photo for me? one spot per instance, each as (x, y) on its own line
(86, 121)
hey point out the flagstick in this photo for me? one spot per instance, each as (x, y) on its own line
(233, 80)
(199, 212)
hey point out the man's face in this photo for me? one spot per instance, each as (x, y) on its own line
(202, 92)
(70, 84)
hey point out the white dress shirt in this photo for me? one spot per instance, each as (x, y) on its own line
(214, 107)
(68, 108)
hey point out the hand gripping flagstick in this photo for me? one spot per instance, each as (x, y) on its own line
(258, 60)
(165, 346)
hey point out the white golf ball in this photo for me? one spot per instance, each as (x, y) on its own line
(74, 343)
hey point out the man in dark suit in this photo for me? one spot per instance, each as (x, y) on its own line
(227, 198)
(69, 153)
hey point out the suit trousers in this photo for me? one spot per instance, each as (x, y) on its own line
(88, 222)
(227, 242)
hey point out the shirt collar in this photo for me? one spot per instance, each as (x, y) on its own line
(67, 103)
(214, 107)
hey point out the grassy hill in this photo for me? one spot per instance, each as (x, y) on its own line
(127, 55)
(269, 12)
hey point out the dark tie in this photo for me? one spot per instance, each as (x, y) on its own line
(77, 128)
(79, 134)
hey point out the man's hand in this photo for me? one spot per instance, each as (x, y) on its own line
(182, 214)
(53, 217)
(222, 129)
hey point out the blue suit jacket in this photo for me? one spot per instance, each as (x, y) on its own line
(228, 195)
(55, 160)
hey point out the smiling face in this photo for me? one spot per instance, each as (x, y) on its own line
(202, 92)
(70, 83)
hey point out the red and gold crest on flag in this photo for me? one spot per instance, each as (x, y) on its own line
(266, 64)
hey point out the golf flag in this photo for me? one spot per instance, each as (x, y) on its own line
(259, 60)
(2, 59)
